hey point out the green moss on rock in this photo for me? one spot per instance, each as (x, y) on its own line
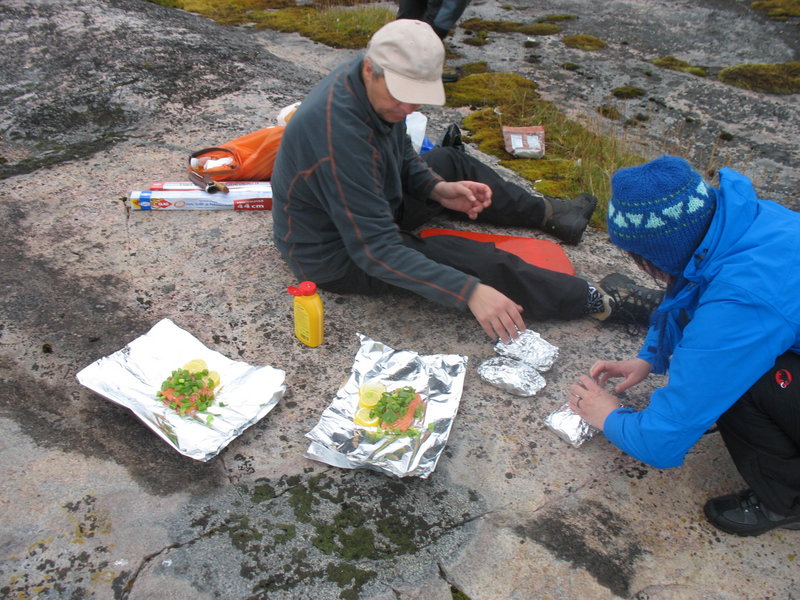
(474, 68)
(627, 92)
(576, 159)
(584, 42)
(344, 574)
(780, 10)
(489, 89)
(609, 112)
(481, 38)
(675, 64)
(781, 78)
(557, 18)
(540, 29)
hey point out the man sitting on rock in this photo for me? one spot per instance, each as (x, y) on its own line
(348, 189)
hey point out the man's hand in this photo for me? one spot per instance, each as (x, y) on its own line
(469, 197)
(633, 370)
(499, 316)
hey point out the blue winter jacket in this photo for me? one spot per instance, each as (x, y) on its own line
(742, 302)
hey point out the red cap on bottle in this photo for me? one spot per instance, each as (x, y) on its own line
(307, 288)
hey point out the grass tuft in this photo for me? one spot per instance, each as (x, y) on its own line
(557, 18)
(584, 42)
(782, 78)
(674, 64)
(626, 92)
(337, 27)
(780, 10)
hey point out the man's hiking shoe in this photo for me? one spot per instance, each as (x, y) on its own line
(567, 219)
(743, 514)
(631, 304)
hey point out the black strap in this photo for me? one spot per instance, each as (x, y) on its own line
(204, 182)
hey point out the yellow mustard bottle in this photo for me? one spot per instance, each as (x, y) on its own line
(309, 315)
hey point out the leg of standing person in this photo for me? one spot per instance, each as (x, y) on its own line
(762, 434)
(412, 9)
(511, 204)
(441, 15)
(447, 15)
(431, 9)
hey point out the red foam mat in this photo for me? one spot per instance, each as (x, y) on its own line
(541, 253)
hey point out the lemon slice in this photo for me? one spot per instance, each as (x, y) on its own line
(193, 366)
(362, 417)
(214, 376)
(370, 392)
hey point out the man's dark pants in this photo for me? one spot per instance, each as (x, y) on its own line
(543, 294)
(762, 434)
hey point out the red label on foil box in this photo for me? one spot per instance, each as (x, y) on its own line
(255, 204)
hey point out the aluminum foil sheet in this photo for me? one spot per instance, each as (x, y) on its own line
(439, 378)
(511, 375)
(530, 348)
(570, 426)
(132, 376)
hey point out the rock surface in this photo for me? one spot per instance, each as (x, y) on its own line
(101, 98)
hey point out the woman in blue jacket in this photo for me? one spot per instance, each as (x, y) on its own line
(727, 332)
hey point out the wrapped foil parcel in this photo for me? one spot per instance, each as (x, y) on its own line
(530, 348)
(132, 376)
(517, 368)
(339, 440)
(511, 375)
(568, 425)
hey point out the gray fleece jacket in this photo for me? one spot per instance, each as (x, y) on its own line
(339, 179)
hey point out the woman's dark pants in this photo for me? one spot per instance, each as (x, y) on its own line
(762, 433)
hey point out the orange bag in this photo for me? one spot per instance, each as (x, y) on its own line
(247, 158)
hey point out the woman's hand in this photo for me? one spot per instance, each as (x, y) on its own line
(469, 197)
(632, 370)
(591, 402)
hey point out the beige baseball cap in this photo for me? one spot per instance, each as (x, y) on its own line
(412, 57)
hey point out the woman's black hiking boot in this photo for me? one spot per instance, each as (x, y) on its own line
(744, 514)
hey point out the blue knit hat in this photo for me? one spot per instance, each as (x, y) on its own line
(660, 210)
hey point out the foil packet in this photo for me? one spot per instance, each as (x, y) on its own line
(132, 376)
(517, 368)
(511, 375)
(439, 379)
(530, 348)
(569, 426)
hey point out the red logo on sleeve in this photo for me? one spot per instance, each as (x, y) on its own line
(783, 378)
